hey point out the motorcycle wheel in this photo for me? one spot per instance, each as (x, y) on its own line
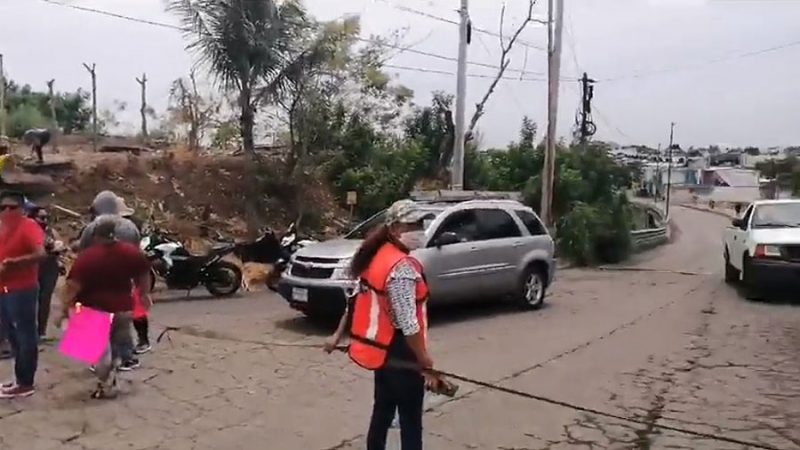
(223, 279)
(152, 280)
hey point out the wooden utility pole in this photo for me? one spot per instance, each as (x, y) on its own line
(51, 99)
(2, 98)
(669, 167)
(555, 28)
(93, 73)
(587, 127)
(457, 167)
(143, 110)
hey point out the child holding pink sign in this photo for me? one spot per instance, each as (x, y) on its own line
(102, 279)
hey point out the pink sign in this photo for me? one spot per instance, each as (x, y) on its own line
(87, 336)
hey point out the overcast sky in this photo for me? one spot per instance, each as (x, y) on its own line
(695, 62)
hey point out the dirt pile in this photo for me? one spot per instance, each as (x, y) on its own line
(198, 197)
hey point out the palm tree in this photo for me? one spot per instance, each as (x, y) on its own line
(248, 45)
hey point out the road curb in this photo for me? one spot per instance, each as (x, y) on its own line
(710, 211)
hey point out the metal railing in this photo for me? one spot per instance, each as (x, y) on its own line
(652, 237)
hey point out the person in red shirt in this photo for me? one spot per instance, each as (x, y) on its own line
(21, 250)
(103, 277)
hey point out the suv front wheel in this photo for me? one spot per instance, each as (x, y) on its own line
(533, 287)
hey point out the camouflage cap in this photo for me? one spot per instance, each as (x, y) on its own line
(404, 211)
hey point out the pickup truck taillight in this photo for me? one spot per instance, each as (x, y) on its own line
(767, 251)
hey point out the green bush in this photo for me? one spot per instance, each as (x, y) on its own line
(596, 233)
(24, 118)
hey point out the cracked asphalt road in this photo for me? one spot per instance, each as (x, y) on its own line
(665, 348)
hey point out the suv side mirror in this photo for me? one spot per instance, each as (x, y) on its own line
(446, 238)
(739, 223)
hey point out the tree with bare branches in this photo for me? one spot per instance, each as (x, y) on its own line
(506, 45)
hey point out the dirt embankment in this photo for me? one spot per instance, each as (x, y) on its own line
(192, 195)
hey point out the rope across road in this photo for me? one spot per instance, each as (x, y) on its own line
(192, 331)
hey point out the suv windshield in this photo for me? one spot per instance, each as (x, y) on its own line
(362, 229)
(777, 215)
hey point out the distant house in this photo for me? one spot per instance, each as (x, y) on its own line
(729, 184)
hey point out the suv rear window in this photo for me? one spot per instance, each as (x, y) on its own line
(532, 223)
(496, 224)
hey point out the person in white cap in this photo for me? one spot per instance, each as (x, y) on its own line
(388, 325)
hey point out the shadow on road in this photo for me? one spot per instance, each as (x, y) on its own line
(438, 316)
(169, 296)
(307, 326)
(774, 296)
(445, 315)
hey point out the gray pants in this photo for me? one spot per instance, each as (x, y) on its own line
(119, 348)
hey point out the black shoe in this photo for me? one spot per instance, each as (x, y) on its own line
(129, 365)
(142, 348)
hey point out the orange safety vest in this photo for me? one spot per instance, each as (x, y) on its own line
(371, 330)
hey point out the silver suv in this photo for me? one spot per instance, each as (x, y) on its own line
(482, 249)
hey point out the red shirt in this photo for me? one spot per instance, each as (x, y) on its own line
(106, 273)
(23, 239)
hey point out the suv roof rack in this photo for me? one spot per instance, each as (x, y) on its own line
(447, 196)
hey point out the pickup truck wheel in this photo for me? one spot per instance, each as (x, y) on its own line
(748, 282)
(732, 275)
(533, 287)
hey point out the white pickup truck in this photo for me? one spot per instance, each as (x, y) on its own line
(762, 247)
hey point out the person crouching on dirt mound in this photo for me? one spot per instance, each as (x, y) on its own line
(389, 324)
(37, 138)
(101, 279)
(109, 206)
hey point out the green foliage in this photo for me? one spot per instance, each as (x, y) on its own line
(23, 118)
(72, 110)
(388, 176)
(596, 233)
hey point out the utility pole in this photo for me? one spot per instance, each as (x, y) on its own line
(143, 110)
(587, 126)
(52, 101)
(2, 98)
(657, 176)
(669, 168)
(555, 27)
(457, 167)
(93, 73)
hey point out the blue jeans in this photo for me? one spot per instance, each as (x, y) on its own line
(18, 314)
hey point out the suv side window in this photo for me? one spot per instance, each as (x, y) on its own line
(532, 223)
(462, 223)
(496, 224)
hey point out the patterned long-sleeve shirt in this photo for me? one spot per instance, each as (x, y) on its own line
(402, 292)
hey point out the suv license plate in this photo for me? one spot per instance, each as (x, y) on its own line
(300, 294)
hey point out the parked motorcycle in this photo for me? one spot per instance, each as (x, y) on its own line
(182, 270)
(290, 243)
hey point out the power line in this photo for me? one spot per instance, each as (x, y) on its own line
(115, 15)
(381, 44)
(709, 62)
(445, 72)
(455, 22)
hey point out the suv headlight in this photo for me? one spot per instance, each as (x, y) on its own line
(342, 270)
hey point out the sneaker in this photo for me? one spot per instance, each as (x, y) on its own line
(17, 392)
(8, 385)
(92, 369)
(6, 354)
(129, 365)
(106, 390)
(141, 349)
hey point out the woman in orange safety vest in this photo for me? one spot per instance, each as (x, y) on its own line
(388, 323)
